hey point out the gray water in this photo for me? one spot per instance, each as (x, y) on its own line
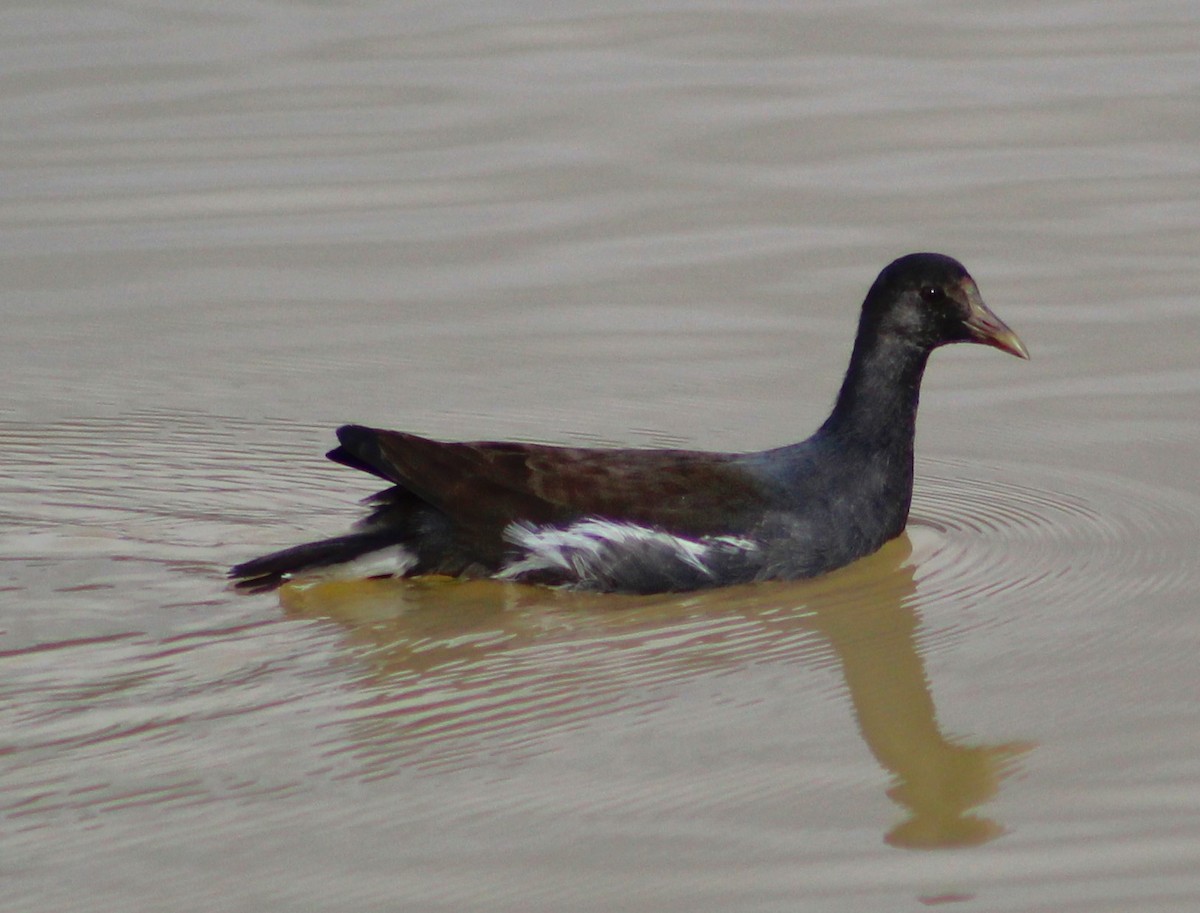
(226, 229)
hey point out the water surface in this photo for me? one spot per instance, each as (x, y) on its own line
(226, 232)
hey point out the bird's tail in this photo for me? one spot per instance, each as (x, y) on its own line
(365, 554)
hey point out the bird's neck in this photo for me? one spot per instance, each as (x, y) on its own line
(876, 409)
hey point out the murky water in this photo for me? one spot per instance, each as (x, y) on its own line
(226, 231)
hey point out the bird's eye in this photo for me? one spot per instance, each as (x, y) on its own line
(933, 294)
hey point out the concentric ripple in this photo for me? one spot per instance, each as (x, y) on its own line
(1074, 536)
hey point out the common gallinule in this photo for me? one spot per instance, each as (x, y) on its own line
(645, 521)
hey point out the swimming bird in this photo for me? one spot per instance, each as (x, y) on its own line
(646, 521)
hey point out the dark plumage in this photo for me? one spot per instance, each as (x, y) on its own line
(661, 520)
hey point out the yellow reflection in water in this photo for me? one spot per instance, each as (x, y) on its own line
(466, 643)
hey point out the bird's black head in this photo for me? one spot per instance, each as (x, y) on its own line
(931, 300)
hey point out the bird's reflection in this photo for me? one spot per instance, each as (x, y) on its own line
(449, 657)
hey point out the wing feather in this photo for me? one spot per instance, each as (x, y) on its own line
(484, 486)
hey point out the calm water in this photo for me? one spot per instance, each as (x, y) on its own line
(225, 230)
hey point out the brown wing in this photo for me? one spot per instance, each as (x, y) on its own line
(484, 486)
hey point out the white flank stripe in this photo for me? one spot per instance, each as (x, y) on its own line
(583, 549)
